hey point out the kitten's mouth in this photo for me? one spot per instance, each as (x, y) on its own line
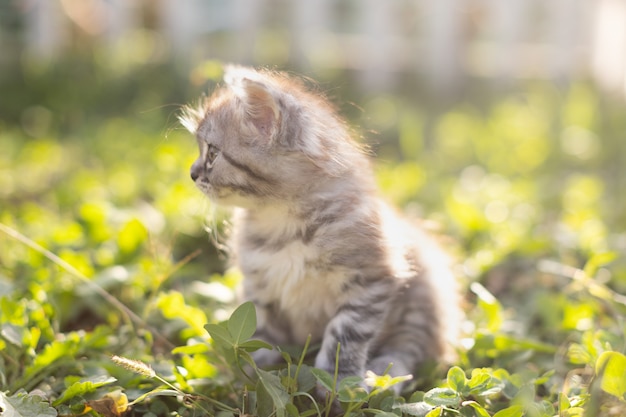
(211, 192)
(206, 188)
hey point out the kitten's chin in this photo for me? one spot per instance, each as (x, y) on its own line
(233, 200)
(228, 199)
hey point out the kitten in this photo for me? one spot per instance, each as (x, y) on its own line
(321, 253)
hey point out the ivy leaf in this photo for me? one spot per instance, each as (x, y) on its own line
(242, 323)
(82, 387)
(24, 405)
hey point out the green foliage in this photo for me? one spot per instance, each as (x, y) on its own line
(82, 387)
(611, 369)
(102, 254)
(23, 405)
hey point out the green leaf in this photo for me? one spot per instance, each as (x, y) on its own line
(173, 306)
(82, 387)
(194, 349)
(158, 392)
(273, 387)
(264, 405)
(579, 355)
(483, 384)
(436, 412)
(292, 410)
(597, 261)
(351, 391)
(564, 403)
(545, 377)
(418, 409)
(512, 411)
(352, 395)
(442, 397)
(252, 345)
(242, 323)
(384, 414)
(52, 355)
(12, 334)
(456, 379)
(504, 342)
(416, 397)
(350, 382)
(306, 379)
(611, 366)
(246, 356)
(574, 412)
(490, 306)
(220, 335)
(479, 409)
(24, 405)
(324, 378)
(131, 236)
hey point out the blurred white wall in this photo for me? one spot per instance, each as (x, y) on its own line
(444, 42)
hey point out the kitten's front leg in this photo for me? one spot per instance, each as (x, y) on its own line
(270, 329)
(354, 327)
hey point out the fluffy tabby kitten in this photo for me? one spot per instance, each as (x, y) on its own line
(321, 253)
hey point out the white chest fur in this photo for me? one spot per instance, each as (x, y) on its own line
(291, 278)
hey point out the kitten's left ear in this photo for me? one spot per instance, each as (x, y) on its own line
(261, 107)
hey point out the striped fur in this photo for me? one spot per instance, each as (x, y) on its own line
(322, 255)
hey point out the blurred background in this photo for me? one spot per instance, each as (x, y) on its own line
(502, 120)
(449, 49)
(444, 46)
(501, 123)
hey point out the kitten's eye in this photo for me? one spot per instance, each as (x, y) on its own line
(212, 153)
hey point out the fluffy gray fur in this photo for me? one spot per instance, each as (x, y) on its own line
(321, 253)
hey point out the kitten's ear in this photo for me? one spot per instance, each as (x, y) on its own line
(261, 107)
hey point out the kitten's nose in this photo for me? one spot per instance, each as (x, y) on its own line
(195, 171)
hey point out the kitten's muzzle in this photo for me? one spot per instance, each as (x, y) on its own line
(196, 171)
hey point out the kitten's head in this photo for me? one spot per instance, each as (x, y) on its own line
(264, 137)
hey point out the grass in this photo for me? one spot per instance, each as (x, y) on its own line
(113, 298)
